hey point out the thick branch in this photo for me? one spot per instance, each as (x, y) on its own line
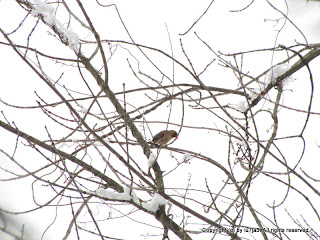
(114, 185)
(295, 67)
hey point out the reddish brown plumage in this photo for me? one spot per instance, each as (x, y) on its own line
(164, 137)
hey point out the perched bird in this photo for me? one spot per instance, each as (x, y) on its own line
(164, 137)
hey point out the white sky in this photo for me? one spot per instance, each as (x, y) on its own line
(146, 20)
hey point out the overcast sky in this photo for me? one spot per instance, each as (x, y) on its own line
(152, 23)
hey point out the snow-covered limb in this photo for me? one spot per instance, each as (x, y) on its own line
(186, 156)
(133, 195)
(125, 196)
(83, 110)
(151, 160)
(113, 195)
(242, 106)
(47, 12)
(253, 93)
(154, 204)
(276, 72)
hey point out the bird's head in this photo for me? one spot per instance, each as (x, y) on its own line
(174, 134)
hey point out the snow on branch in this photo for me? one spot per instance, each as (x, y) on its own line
(47, 12)
(242, 106)
(276, 72)
(154, 204)
(186, 157)
(124, 196)
(151, 160)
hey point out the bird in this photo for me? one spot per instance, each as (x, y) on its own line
(163, 137)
